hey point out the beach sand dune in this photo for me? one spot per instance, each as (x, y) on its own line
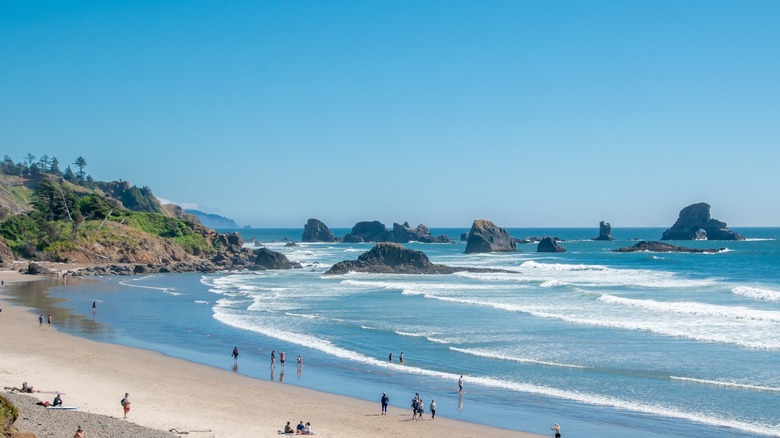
(169, 393)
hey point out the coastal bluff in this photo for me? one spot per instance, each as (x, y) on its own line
(695, 223)
(393, 258)
(485, 236)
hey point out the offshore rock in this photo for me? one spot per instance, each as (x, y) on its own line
(548, 244)
(693, 220)
(485, 236)
(405, 233)
(464, 237)
(316, 231)
(392, 258)
(373, 231)
(665, 247)
(268, 259)
(605, 231)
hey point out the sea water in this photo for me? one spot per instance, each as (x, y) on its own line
(606, 344)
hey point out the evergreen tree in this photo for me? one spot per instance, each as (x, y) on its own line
(29, 158)
(69, 176)
(81, 163)
(55, 167)
(44, 162)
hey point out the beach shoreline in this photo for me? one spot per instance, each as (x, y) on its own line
(170, 393)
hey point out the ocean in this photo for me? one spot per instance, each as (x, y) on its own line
(605, 344)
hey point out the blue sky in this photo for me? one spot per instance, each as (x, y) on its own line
(527, 113)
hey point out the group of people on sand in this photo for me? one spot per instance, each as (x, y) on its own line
(418, 407)
(300, 429)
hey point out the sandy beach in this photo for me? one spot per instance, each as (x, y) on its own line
(168, 393)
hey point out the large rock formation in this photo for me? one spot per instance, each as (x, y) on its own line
(605, 231)
(316, 231)
(267, 259)
(547, 244)
(376, 231)
(485, 236)
(663, 247)
(392, 258)
(695, 218)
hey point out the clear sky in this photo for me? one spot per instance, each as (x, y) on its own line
(527, 113)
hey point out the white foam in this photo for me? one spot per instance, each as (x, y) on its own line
(492, 355)
(552, 283)
(202, 302)
(167, 290)
(727, 384)
(692, 308)
(756, 293)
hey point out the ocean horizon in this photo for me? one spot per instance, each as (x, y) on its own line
(605, 344)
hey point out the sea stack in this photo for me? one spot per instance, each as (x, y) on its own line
(267, 259)
(485, 236)
(695, 223)
(605, 231)
(548, 244)
(316, 231)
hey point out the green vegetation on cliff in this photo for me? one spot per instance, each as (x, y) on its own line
(44, 215)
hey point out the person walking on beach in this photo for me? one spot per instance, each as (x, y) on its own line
(40, 320)
(235, 353)
(557, 430)
(385, 400)
(433, 409)
(126, 404)
(273, 358)
(50, 320)
(460, 384)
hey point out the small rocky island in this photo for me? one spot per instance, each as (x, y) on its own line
(485, 236)
(665, 247)
(375, 231)
(316, 231)
(695, 223)
(393, 258)
(605, 231)
(548, 244)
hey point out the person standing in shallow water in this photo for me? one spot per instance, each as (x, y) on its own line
(460, 384)
(273, 358)
(401, 358)
(557, 430)
(235, 353)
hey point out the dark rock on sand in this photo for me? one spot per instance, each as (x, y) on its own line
(485, 236)
(268, 259)
(605, 231)
(695, 222)
(316, 231)
(36, 269)
(392, 258)
(547, 244)
(665, 247)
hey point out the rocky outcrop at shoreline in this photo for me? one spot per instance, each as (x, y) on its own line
(316, 231)
(485, 236)
(605, 232)
(392, 258)
(267, 259)
(695, 223)
(665, 247)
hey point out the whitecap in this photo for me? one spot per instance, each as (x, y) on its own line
(756, 293)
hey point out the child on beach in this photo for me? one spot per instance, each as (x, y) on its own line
(79, 433)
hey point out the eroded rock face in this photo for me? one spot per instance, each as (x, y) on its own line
(6, 255)
(273, 260)
(605, 231)
(548, 244)
(695, 218)
(664, 247)
(393, 258)
(485, 236)
(316, 231)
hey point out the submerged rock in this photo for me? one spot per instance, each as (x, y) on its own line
(485, 236)
(695, 223)
(665, 247)
(392, 258)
